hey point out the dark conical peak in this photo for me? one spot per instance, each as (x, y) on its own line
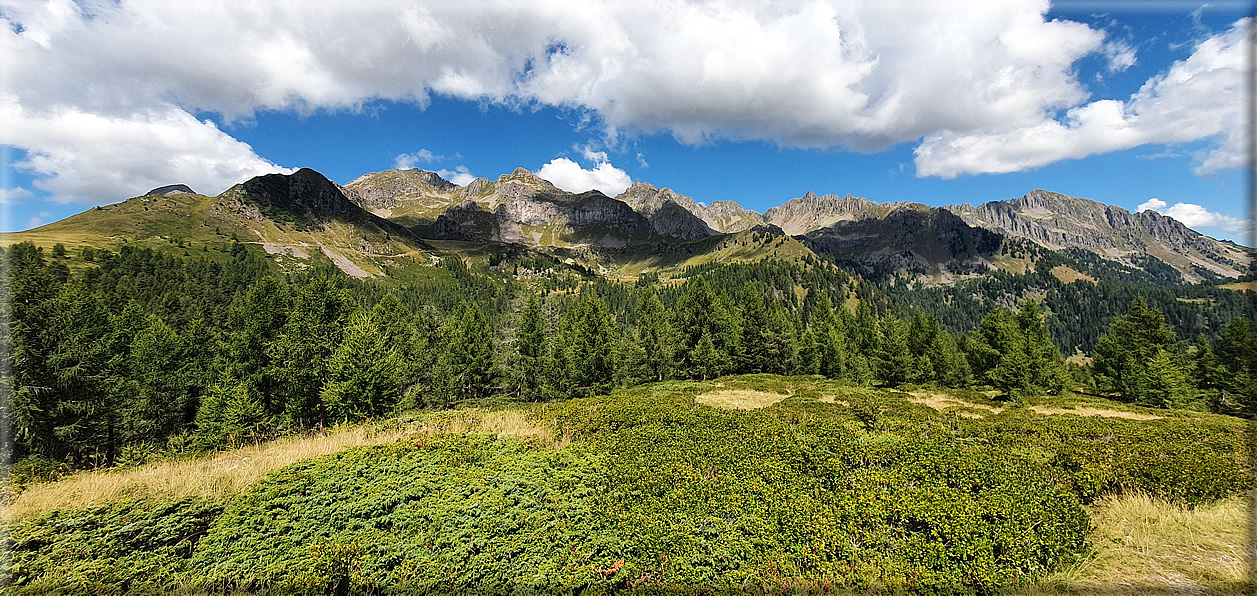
(303, 190)
(810, 195)
(171, 189)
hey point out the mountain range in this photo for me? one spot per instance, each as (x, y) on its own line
(390, 218)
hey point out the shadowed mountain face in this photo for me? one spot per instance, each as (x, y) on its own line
(909, 238)
(303, 192)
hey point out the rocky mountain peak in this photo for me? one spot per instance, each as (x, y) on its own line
(1059, 221)
(525, 176)
(302, 191)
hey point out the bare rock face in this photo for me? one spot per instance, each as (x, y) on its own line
(476, 187)
(810, 212)
(910, 236)
(728, 217)
(596, 209)
(465, 221)
(673, 221)
(1060, 221)
(171, 189)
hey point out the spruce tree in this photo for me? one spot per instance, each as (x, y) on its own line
(1166, 384)
(533, 349)
(1123, 354)
(654, 335)
(300, 353)
(468, 367)
(756, 335)
(590, 347)
(896, 365)
(364, 375)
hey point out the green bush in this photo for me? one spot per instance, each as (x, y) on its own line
(657, 494)
(130, 546)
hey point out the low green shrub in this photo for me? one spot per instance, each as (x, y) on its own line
(130, 546)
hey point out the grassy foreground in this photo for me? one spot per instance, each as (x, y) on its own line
(814, 486)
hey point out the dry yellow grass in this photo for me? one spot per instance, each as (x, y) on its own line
(1085, 411)
(942, 402)
(1241, 286)
(1068, 274)
(739, 399)
(231, 472)
(831, 399)
(1143, 545)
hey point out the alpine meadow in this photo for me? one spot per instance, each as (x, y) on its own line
(565, 379)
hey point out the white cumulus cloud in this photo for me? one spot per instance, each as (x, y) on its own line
(1197, 216)
(88, 157)
(1197, 98)
(460, 175)
(9, 196)
(967, 77)
(407, 161)
(570, 176)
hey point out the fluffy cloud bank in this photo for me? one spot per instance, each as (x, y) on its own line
(1197, 216)
(87, 157)
(1198, 98)
(570, 176)
(968, 77)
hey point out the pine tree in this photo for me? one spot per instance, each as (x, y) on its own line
(706, 360)
(253, 323)
(950, 367)
(894, 357)
(1236, 367)
(780, 344)
(756, 336)
(300, 353)
(700, 311)
(157, 409)
(589, 345)
(1046, 366)
(468, 367)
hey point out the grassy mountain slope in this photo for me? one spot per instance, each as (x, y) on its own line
(290, 217)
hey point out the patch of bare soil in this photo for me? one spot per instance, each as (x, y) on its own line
(830, 399)
(345, 264)
(739, 399)
(1085, 411)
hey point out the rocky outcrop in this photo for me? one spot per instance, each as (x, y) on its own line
(385, 189)
(171, 189)
(810, 212)
(728, 217)
(596, 209)
(910, 236)
(673, 221)
(465, 221)
(1060, 221)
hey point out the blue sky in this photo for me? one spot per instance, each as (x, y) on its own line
(1134, 104)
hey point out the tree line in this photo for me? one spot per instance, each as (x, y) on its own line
(136, 351)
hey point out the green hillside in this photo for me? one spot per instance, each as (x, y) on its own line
(831, 487)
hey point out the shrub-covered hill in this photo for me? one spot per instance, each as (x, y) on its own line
(828, 488)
